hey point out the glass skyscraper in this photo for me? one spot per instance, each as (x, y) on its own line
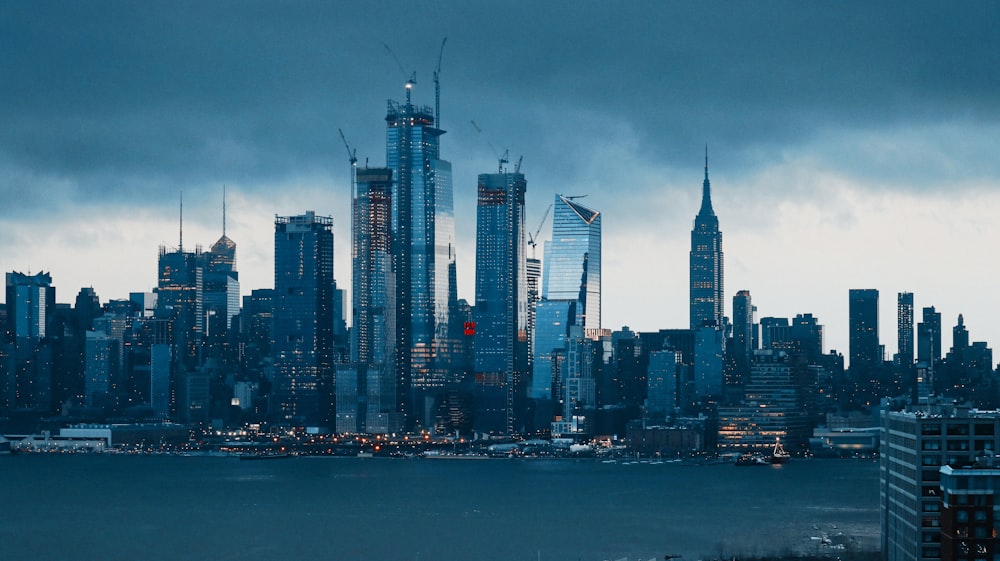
(501, 315)
(865, 351)
(303, 320)
(376, 399)
(423, 227)
(707, 303)
(572, 264)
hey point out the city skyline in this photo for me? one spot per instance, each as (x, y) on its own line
(861, 164)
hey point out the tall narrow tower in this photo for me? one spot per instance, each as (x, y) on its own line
(707, 304)
(572, 265)
(423, 251)
(303, 320)
(501, 350)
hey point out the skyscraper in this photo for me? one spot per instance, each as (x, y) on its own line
(379, 402)
(929, 336)
(707, 304)
(423, 227)
(501, 315)
(904, 329)
(572, 264)
(864, 345)
(742, 348)
(221, 291)
(303, 320)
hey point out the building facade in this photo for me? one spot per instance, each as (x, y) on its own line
(707, 305)
(865, 352)
(572, 263)
(914, 445)
(423, 247)
(501, 310)
(303, 319)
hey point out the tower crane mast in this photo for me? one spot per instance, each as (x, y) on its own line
(533, 238)
(352, 155)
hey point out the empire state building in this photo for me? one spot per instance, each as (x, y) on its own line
(707, 303)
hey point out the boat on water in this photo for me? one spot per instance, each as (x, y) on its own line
(267, 456)
(778, 456)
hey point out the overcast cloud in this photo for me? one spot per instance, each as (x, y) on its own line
(853, 144)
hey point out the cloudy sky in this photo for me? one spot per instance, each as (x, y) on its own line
(852, 144)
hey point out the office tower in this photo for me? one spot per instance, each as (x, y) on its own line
(554, 319)
(303, 320)
(707, 304)
(423, 245)
(100, 362)
(806, 338)
(865, 354)
(914, 445)
(904, 329)
(221, 292)
(662, 376)
(708, 357)
(774, 331)
(180, 299)
(929, 336)
(744, 325)
(533, 276)
(501, 346)
(31, 311)
(776, 404)
(572, 264)
(31, 301)
(379, 403)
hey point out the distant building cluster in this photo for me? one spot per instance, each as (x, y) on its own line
(529, 358)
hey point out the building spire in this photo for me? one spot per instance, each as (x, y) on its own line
(706, 190)
(223, 210)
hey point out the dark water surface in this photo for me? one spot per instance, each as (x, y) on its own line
(55, 507)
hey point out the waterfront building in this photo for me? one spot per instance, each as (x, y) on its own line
(572, 264)
(369, 394)
(777, 404)
(708, 357)
(31, 314)
(500, 313)
(914, 445)
(707, 303)
(662, 376)
(744, 338)
(180, 299)
(423, 228)
(221, 292)
(865, 351)
(303, 320)
(554, 319)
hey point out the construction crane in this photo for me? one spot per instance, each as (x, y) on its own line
(437, 87)
(412, 81)
(353, 157)
(533, 238)
(506, 153)
(517, 167)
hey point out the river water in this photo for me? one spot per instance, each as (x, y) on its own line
(172, 508)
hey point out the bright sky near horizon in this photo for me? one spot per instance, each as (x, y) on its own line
(852, 145)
